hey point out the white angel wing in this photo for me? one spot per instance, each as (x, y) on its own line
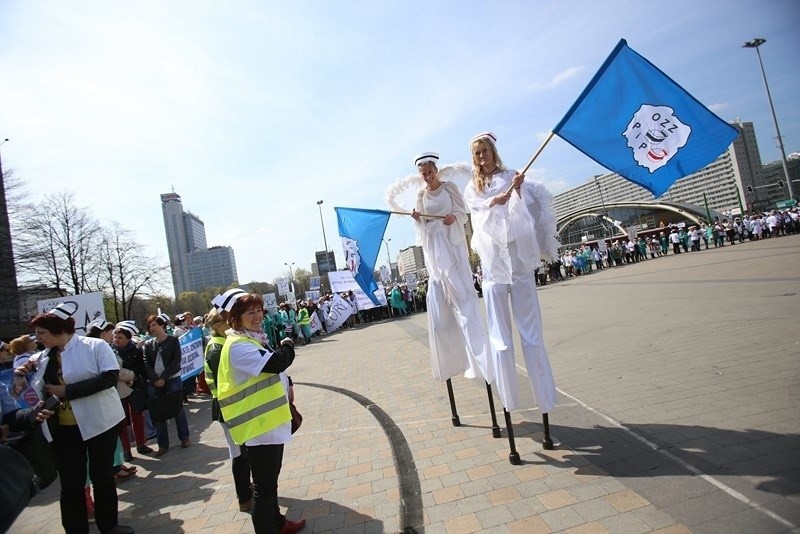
(459, 173)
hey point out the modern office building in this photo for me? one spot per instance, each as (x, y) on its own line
(723, 182)
(194, 266)
(411, 260)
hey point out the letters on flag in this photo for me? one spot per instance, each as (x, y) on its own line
(362, 232)
(192, 359)
(635, 120)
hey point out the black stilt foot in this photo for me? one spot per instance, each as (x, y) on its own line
(513, 455)
(547, 443)
(495, 427)
(456, 421)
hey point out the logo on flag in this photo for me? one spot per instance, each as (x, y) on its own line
(655, 135)
(352, 259)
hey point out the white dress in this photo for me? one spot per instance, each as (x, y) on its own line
(510, 241)
(456, 329)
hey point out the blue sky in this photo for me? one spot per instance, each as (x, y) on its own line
(253, 111)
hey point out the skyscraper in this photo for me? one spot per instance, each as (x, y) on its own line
(194, 266)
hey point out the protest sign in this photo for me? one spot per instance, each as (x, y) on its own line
(90, 309)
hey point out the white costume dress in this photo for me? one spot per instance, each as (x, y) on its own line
(456, 330)
(510, 244)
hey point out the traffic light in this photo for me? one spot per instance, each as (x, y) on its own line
(780, 183)
(749, 188)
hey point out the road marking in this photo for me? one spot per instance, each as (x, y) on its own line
(683, 463)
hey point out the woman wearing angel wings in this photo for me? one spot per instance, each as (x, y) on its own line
(456, 331)
(514, 226)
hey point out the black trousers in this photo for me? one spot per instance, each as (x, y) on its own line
(71, 453)
(241, 475)
(265, 465)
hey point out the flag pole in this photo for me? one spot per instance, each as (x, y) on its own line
(536, 155)
(421, 214)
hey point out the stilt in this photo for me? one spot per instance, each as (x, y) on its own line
(547, 443)
(495, 427)
(456, 421)
(513, 456)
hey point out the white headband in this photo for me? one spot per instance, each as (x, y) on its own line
(483, 135)
(426, 157)
(65, 310)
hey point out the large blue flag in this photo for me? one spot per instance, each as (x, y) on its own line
(635, 120)
(362, 233)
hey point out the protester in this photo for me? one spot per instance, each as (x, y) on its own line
(263, 423)
(133, 359)
(456, 329)
(240, 464)
(22, 348)
(509, 243)
(82, 372)
(162, 363)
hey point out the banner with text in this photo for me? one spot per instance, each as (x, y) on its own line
(191, 353)
(343, 281)
(339, 312)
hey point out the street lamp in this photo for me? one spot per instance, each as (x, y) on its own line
(291, 275)
(755, 43)
(388, 257)
(324, 239)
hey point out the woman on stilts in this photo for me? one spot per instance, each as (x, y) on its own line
(512, 222)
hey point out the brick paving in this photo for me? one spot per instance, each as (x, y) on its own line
(678, 413)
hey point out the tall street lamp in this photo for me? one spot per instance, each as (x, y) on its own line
(388, 257)
(755, 43)
(324, 239)
(291, 275)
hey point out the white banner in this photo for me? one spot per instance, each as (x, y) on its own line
(283, 286)
(290, 298)
(90, 309)
(192, 359)
(343, 281)
(313, 283)
(312, 295)
(270, 302)
(315, 322)
(386, 274)
(411, 281)
(340, 311)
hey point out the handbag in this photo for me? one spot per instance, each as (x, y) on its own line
(40, 456)
(297, 418)
(138, 399)
(165, 406)
(17, 486)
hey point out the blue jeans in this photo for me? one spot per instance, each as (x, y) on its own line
(173, 384)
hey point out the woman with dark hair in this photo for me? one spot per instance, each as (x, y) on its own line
(162, 363)
(82, 372)
(132, 358)
(254, 395)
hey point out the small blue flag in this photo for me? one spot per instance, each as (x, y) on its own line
(362, 233)
(636, 121)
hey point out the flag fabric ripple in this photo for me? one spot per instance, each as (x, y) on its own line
(362, 232)
(636, 121)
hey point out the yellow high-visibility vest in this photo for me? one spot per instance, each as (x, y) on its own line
(253, 407)
(210, 378)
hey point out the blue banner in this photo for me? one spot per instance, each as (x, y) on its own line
(362, 233)
(192, 358)
(636, 121)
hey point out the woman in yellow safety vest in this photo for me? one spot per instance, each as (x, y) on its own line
(254, 393)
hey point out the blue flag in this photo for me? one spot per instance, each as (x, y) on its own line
(636, 121)
(362, 233)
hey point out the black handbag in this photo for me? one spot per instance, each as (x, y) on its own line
(17, 486)
(39, 454)
(138, 399)
(165, 405)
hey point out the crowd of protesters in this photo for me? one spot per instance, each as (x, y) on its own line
(672, 239)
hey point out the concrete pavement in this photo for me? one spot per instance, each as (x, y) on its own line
(678, 412)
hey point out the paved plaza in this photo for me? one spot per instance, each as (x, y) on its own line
(679, 411)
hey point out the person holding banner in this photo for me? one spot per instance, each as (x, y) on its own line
(456, 329)
(509, 216)
(162, 364)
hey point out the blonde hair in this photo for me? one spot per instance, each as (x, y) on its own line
(19, 345)
(479, 177)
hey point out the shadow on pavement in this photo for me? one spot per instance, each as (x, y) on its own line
(326, 516)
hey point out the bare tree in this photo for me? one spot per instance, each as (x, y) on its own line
(125, 273)
(58, 245)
